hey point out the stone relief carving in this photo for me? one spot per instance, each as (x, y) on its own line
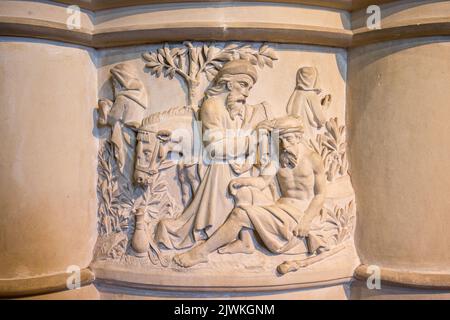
(332, 146)
(308, 101)
(190, 62)
(249, 183)
(280, 224)
(125, 114)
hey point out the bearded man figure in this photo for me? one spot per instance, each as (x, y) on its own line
(228, 124)
(290, 222)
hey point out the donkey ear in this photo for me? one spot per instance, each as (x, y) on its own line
(164, 135)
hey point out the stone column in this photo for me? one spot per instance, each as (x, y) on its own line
(398, 110)
(398, 98)
(48, 165)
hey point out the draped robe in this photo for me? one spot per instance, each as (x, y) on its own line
(305, 102)
(212, 202)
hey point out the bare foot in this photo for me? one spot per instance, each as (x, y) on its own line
(238, 246)
(190, 258)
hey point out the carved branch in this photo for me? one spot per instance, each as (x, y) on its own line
(205, 59)
(332, 146)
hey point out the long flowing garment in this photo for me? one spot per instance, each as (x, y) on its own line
(275, 225)
(212, 202)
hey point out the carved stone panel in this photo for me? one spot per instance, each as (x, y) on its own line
(223, 165)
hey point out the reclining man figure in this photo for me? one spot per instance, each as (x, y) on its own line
(287, 222)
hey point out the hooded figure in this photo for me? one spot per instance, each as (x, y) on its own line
(306, 102)
(125, 114)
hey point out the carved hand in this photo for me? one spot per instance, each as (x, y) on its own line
(303, 228)
(265, 125)
(247, 182)
(104, 106)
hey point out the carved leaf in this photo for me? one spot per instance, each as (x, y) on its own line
(269, 52)
(231, 46)
(261, 61)
(263, 48)
(224, 56)
(211, 73)
(201, 58)
(168, 56)
(268, 61)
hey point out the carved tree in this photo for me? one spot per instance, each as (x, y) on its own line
(190, 62)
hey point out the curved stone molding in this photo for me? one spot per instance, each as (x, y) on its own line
(414, 279)
(109, 4)
(430, 28)
(326, 23)
(224, 288)
(233, 31)
(403, 19)
(16, 288)
(288, 23)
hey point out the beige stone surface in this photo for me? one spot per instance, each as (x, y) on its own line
(331, 292)
(399, 137)
(48, 158)
(359, 291)
(223, 14)
(392, 96)
(89, 292)
(329, 23)
(405, 12)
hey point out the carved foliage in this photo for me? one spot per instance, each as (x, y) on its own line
(340, 221)
(190, 62)
(115, 200)
(119, 200)
(156, 201)
(332, 145)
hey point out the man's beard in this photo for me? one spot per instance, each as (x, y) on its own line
(288, 159)
(235, 101)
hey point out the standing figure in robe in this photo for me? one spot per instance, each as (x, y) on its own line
(307, 102)
(228, 125)
(124, 115)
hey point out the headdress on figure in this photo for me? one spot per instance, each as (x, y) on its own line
(236, 67)
(307, 79)
(289, 124)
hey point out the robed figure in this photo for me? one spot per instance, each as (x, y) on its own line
(124, 115)
(307, 101)
(228, 124)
